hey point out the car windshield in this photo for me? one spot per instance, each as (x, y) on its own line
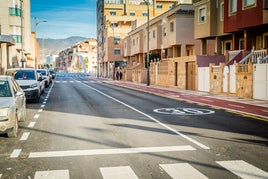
(43, 72)
(4, 89)
(25, 75)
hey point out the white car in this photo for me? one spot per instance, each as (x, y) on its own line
(45, 76)
(29, 80)
(12, 106)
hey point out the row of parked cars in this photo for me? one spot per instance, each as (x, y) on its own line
(16, 87)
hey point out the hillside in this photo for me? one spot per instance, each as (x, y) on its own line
(54, 46)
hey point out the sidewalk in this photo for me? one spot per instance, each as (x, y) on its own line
(252, 107)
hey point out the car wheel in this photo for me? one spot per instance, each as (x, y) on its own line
(13, 132)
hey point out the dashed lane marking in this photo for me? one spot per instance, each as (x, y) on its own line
(52, 174)
(243, 169)
(69, 153)
(40, 110)
(36, 116)
(25, 136)
(15, 153)
(236, 106)
(31, 124)
(42, 106)
(118, 173)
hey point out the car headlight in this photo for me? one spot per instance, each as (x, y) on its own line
(3, 112)
(34, 85)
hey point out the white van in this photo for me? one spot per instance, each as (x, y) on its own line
(29, 81)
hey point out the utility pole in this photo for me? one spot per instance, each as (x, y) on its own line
(23, 60)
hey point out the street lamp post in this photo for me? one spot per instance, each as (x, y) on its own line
(36, 23)
(148, 33)
(21, 30)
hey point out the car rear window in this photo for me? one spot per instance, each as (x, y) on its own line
(4, 89)
(25, 75)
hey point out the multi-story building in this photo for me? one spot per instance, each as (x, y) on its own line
(81, 57)
(15, 33)
(114, 21)
(233, 32)
(172, 49)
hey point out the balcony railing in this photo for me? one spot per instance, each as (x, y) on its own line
(254, 57)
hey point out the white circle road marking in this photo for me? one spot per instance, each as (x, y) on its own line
(184, 111)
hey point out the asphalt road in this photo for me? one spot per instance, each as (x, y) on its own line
(83, 128)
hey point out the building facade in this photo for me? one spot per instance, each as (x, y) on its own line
(15, 33)
(81, 57)
(115, 19)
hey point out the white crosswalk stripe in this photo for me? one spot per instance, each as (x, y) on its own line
(239, 168)
(182, 171)
(118, 173)
(243, 169)
(52, 174)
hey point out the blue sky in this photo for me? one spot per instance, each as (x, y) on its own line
(65, 18)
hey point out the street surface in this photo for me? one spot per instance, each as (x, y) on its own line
(87, 129)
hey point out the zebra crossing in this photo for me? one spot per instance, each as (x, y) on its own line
(74, 81)
(239, 168)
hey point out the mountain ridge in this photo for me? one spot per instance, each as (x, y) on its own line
(50, 46)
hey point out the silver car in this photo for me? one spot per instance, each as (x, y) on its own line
(12, 106)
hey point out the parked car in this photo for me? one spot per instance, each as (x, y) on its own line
(29, 80)
(52, 73)
(42, 82)
(46, 77)
(12, 106)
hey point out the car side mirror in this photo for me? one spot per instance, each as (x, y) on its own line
(40, 78)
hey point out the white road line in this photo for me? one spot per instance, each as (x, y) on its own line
(236, 106)
(36, 116)
(42, 106)
(15, 153)
(110, 151)
(264, 110)
(25, 136)
(243, 169)
(0, 175)
(52, 174)
(182, 171)
(153, 119)
(118, 173)
(44, 102)
(31, 124)
(40, 110)
(206, 100)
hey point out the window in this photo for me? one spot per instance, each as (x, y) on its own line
(222, 12)
(171, 27)
(14, 11)
(249, 3)
(171, 6)
(164, 32)
(133, 42)
(116, 39)
(114, 24)
(113, 13)
(159, 6)
(233, 6)
(132, 13)
(153, 33)
(117, 51)
(202, 14)
(144, 14)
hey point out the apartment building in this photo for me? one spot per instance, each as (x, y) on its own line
(81, 57)
(15, 33)
(115, 19)
(172, 49)
(234, 35)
